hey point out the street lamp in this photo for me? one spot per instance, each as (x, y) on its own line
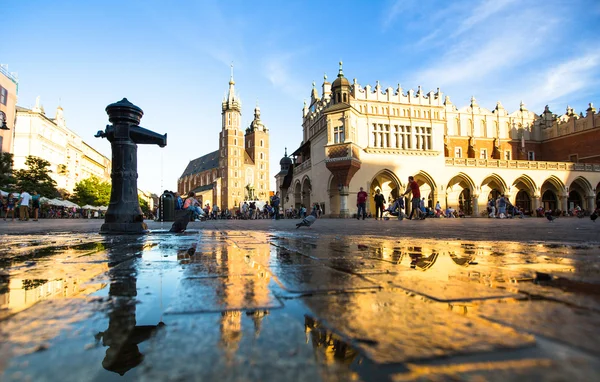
(3, 119)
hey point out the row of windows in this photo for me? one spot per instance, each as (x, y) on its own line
(402, 137)
(397, 112)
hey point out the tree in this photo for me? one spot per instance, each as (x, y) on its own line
(144, 206)
(92, 191)
(36, 177)
(7, 180)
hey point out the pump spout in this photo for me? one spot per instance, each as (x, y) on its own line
(140, 135)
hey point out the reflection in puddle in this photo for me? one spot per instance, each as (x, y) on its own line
(346, 302)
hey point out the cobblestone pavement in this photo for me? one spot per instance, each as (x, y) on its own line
(455, 299)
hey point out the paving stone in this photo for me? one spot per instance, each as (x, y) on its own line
(392, 327)
(313, 279)
(575, 326)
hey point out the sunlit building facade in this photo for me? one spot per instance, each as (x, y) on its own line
(9, 85)
(361, 136)
(71, 158)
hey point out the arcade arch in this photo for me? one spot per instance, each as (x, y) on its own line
(459, 192)
(551, 190)
(525, 192)
(427, 187)
(493, 186)
(297, 195)
(387, 183)
(334, 197)
(579, 190)
(306, 191)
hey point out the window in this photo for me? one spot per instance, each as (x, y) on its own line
(338, 134)
(507, 155)
(483, 154)
(262, 156)
(458, 152)
(530, 155)
(235, 141)
(261, 143)
(3, 96)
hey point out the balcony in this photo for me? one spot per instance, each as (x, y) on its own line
(342, 151)
(522, 165)
(302, 167)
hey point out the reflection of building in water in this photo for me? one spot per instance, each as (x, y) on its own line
(243, 283)
(123, 335)
(19, 294)
(328, 347)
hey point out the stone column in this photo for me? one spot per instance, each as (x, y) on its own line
(591, 203)
(344, 213)
(564, 203)
(475, 205)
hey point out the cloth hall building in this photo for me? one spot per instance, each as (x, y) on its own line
(361, 136)
(239, 169)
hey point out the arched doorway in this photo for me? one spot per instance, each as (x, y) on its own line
(297, 195)
(334, 197)
(551, 190)
(388, 184)
(465, 202)
(459, 193)
(581, 188)
(523, 201)
(306, 191)
(549, 200)
(598, 196)
(426, 186)
(493, 187)
(575, 200)
(526, 190)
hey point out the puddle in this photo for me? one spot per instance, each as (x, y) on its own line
(245, 306)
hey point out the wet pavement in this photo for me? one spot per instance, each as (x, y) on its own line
(261, 301)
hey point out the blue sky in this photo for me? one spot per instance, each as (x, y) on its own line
(172, 59)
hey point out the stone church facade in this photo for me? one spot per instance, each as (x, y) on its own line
(370, 137)
(239, 169)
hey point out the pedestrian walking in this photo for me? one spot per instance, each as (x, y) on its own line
(361, 202)
(35, 202)
(275, 200)
(379, 204)
(413, 187)
(24, 199)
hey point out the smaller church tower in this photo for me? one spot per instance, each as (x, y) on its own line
(257, 147)
(231, 149)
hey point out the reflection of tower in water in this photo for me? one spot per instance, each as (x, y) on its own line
(244, 285)
(123, 335)
(328, 347)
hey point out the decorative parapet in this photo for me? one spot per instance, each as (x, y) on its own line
(429, 153)
(519, 164)
(302, 167)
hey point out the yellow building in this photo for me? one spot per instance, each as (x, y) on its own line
(71, 159)
(361, 136)
(239, 170)
(8, 102)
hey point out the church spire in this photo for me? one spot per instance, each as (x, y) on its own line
(232, 101)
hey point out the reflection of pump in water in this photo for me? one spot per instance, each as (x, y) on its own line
(123, 335)
(124, 214)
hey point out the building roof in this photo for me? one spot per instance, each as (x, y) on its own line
(203, 188)
(205, 162)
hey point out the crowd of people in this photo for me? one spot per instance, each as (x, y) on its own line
(248, 210)
(20, 205)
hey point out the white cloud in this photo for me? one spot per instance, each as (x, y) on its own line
(392, 12)
(578, 74)
(278, 71)
(480, 13)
